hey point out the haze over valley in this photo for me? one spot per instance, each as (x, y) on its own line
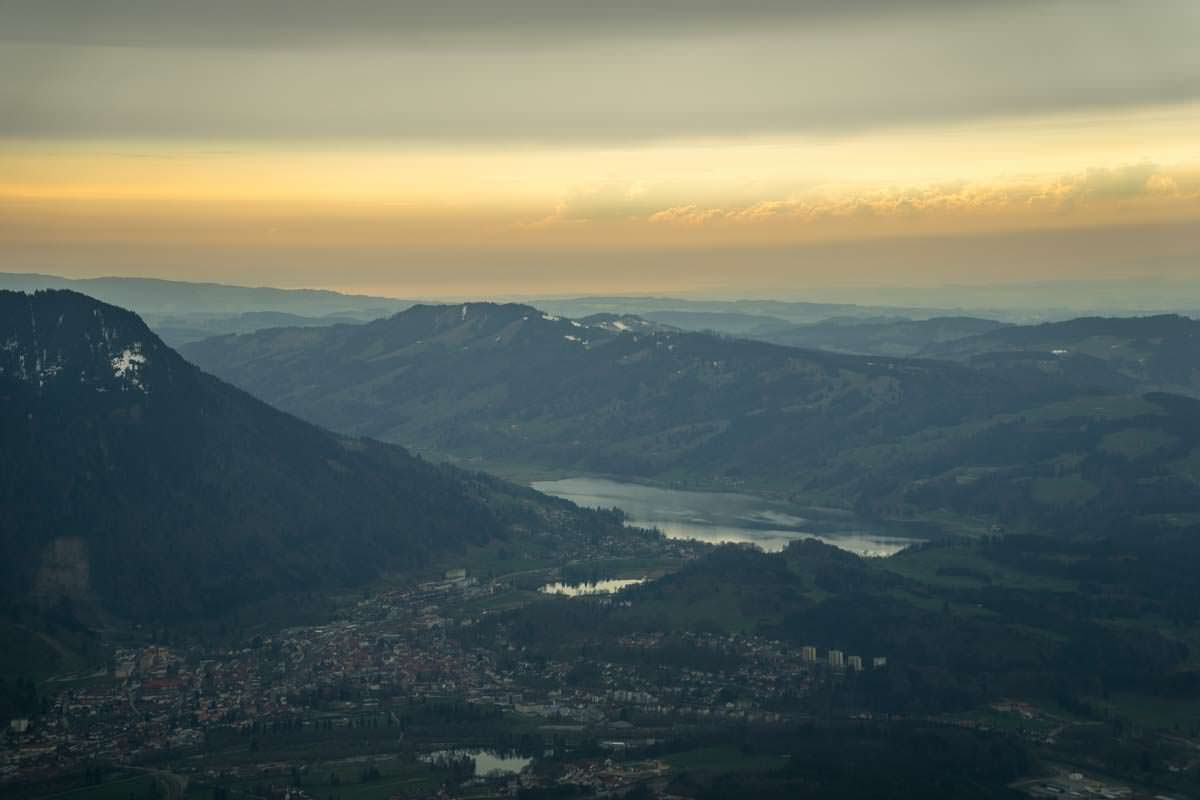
(682, 399)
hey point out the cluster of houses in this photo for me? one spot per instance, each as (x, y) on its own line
(838, 660)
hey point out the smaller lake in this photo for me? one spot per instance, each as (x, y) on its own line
(487, 762)
(725, 517)
(610, 586)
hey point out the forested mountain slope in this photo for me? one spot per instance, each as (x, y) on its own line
(133, 482)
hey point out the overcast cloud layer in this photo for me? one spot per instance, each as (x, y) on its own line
(292, 23)
(576, 70)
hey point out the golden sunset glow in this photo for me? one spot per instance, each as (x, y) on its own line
(102, 196)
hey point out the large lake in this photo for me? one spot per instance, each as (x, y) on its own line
(718, 517)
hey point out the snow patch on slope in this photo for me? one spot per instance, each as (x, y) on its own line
(128, 364)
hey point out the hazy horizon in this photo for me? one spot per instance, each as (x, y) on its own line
(1048, 298)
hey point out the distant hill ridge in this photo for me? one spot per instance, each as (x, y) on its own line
(509, 384)
(1153, 352)
(158, 296)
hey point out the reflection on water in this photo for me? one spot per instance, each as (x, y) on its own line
(487, 762)
(772, 541)
(610, 586)
(720, 517)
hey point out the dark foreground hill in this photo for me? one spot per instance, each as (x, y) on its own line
(132, 482)
(961, 623)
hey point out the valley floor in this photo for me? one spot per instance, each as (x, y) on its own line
(422, 685)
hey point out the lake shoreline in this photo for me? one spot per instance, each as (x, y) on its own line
(727, 517)
(937, 527)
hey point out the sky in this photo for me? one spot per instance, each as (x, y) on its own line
(500, 147)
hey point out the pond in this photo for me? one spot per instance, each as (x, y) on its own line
(487, 762)
(609, 586)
